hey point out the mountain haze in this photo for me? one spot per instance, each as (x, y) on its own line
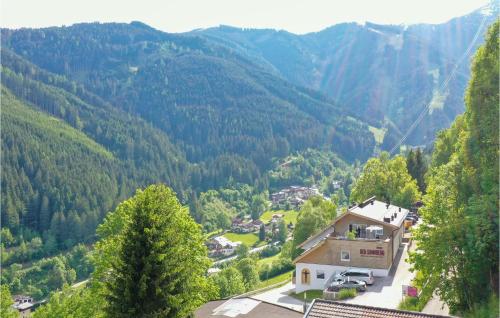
(385, 73)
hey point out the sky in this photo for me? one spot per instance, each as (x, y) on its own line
(184, 15)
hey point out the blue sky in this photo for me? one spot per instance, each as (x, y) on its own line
(184, 15)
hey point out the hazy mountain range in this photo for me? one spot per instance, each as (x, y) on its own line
(93, 111)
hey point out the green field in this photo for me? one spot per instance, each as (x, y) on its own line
(268, 260)
(249, 239)
(276, 279)
(290, 216)
(310, 295)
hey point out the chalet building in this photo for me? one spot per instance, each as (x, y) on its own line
(294, 195)
(25, 305)
(221, 246)
(377, 230)
(239, 226)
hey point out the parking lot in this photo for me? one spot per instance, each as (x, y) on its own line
(387, 291)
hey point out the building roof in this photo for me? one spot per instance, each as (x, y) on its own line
(244, 308)
(24, 306)
(332, 309)
(378, 210)
(369, 209)
(224, 241)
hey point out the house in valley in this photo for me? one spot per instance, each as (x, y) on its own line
(376, 233)
(293, 196)
(221, 246)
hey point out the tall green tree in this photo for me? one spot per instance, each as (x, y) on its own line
(6, 309)
(388, 179)
(229, 281)
(417, 167)
(71, 302)
(248, 269)
(262, 232)
(161, 261)
(314, 215)
(458, 240)
(282, 232)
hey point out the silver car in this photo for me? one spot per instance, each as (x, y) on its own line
(340, 283)
(358, 274)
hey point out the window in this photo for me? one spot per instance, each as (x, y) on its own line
(345, 256)
(320, 274)
(306, 277)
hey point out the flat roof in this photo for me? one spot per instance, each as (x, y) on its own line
(379, 210)
(244, 307)
(332, 309)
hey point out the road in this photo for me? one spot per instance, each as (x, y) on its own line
(387, 291)
(257, 249)
(436, 306)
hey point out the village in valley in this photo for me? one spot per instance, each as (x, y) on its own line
(266, 228)
(359, 259)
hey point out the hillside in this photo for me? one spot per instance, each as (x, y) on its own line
(145, 107)
(208, 100)
(386, 74)
(65, 155)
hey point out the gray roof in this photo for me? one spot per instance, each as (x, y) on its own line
(332, 309)
(372, 209)
(379, 210)
(244, 307)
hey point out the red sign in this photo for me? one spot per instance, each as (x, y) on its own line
(410, 291)
(376, 253)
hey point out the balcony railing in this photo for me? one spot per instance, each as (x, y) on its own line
(342, 236)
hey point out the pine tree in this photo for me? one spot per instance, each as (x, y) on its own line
(282, 232)
(161, 263)
(262, 232)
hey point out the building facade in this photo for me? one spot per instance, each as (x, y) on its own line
(367, 236)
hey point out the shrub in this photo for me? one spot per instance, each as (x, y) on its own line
(278, 267)
(347, 293)
(269, 251)
(410, 303)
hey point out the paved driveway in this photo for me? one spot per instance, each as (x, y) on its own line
(387, 291)
(279, 296)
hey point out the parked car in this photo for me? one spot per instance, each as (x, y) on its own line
(341, 283)
(414, 215)
(358, 274)
(412, 219)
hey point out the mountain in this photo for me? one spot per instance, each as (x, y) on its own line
(68, 154)
(385, 73)
(210, 101)
(132, 106)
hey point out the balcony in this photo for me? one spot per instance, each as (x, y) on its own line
(361, 237)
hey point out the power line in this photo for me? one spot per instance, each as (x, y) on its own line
(443, 87)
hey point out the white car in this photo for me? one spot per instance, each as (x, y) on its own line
(359, 274)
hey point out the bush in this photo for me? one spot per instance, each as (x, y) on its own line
(278, 267)
(347, 293)
(485, 310)
(410, 303)
(269, 251)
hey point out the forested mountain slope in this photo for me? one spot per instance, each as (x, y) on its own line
(210, 101)
(66, 156)
(151, 107)
(385, 73)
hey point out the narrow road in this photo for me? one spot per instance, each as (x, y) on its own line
(436, 306)
(257, 249)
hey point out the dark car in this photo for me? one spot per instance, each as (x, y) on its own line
(339, 284)
(412, 219)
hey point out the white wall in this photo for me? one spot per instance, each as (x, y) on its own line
(329, 271)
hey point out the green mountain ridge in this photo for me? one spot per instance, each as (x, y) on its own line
(386, 74)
